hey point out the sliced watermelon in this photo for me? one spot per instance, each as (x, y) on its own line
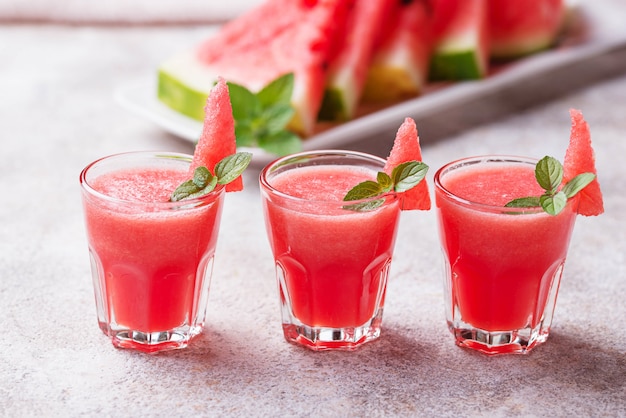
(580, 158)
(461, 49)
(346, 76)
(518, 28)
(406, 147)
(275, 38)
(399, 68)
(218, 134)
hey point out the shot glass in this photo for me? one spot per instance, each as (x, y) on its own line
(332, 261)
(151, 259)
(503, 265)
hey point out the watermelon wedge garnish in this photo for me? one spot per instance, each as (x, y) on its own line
(406, 147)
(399, 67)
(218, 134)
(275, 38)
(580, 158)
(461, 49)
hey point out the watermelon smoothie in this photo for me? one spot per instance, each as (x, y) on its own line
(503, 265)
(332, 263)
(151, 259)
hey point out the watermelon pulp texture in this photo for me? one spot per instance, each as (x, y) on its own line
(347, 73)
(218, 134)
(580, 158)
(406, 147)
(519, 28)
(399, 68)
(461, 48)
(273, 39)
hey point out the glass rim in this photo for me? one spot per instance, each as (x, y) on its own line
(193, 202)
(482, 159)
(285, 160)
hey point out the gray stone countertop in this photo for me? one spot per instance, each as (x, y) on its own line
(58, 113)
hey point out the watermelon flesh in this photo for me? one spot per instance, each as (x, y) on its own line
(399, 68)
(580, 158)
(406, 147)
(461, 49)
(518, 28)
(347, 73)
(217, 140)
(273, 39)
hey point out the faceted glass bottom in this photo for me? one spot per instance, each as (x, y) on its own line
(323, 338)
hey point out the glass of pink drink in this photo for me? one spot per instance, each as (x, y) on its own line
(151, 259)
(332, 263)
(503, 265)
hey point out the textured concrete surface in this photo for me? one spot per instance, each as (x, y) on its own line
(57, 114)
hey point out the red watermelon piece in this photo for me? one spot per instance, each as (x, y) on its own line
(580, 158)
(218, 134)
(461, 46)
(275, 38)
(399, 67)
(518, 28)
(406, 147)
(347, 73)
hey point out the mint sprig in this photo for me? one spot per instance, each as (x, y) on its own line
(203, 182)
(261, 118)
(549, 175)
(403, 177)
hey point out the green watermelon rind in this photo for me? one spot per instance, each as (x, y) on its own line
(522, 49)
(388, 83)
(180, 97)
(184, 84)
(334, 107)
(455, 65)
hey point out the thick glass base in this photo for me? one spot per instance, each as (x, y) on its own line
(151, 342)
(323, 338)
(520, 341)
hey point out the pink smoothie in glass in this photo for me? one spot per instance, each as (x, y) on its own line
(335, 261)
(151, 255)
(502, 262)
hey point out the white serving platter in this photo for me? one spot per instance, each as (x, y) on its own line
(587, 40)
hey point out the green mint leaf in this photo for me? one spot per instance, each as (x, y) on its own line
(524, 202)
(261, 119)
(183, 191)
(553, 204)
(246, 137)
(245, 103)
(201, 177)
(549, 174)
(577, 184)
(231, 167)
(281, 143)
(365, 206)
(200, 185)
(385, 182)
(403, 177)
(277, 91)
(275, 118)
(364, 190)
(407, 175)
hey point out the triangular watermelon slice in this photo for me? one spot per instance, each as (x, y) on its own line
(399, 67)
(461, 48)
(346, 76)
(406, 147)
(275, 38)
(218, 134)
(580, 158)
